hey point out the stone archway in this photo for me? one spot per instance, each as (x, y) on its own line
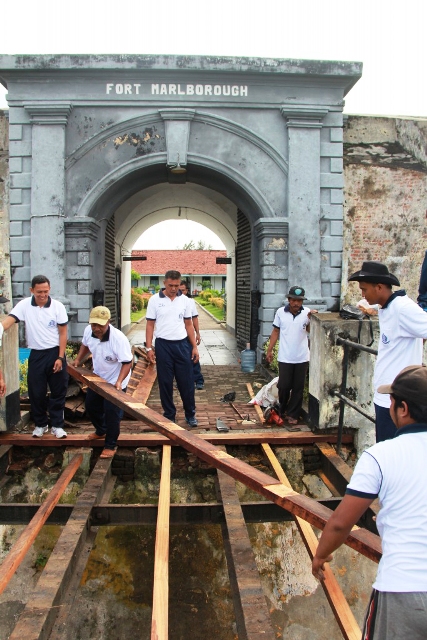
(89, 133)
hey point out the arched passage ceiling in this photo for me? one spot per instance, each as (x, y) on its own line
(165, 201)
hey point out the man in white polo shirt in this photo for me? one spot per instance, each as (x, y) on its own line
(395, 471)
(403, 325)
(290, 327)
(112, 360)
(170, 312)
(199, 380)
(46, 322)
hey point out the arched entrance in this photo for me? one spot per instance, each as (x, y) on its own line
(92, 142)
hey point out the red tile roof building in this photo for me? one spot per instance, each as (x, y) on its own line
(194, 263)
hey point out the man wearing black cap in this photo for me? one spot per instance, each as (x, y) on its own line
(395, 472)
(291, 326)
(403, 325)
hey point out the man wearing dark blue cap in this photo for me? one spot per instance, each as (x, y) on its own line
(291, 327)
(403, 325)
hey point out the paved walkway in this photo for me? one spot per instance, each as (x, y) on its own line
(217, 345)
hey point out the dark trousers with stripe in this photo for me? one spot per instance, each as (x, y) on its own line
(40, 375)
(105, 417)
(173, 360)
(291, 387)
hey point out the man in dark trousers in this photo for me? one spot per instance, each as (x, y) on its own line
(291, 327)
(403, 325)
(394, 471)
(112, 360)
(199, 380)
(170, 312)
(46, 322)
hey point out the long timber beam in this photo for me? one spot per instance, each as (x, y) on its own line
(362, 541)
(38, 617)
(134, 514)
(19, 549)
(157, 440)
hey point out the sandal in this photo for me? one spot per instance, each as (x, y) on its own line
(108, 453)
(292, 420)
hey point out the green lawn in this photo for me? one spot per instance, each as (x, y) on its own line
(217, 313)
(134, 317)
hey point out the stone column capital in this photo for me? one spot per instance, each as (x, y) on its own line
(48, 113)
(271, 227)
(303, 116)
(87, 228)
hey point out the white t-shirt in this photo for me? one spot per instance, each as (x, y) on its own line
(169, 315)
(41, 323)
(403, 325)
(108, 354)
(293, 337)
(396, 471)
(194, 312)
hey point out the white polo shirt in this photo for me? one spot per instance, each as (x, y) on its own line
(293, 337)
(41, 323)
(169, 315)
(403, 325)
(194, 312)
(108, 354)
(395, 471)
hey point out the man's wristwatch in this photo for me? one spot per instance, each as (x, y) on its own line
(148, 348)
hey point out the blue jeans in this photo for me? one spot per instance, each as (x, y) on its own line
(105, 417)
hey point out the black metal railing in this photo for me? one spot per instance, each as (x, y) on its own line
(344, 400)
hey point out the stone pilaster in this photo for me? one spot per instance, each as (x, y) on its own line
(48, 192)
(304, 123)
(272, 235)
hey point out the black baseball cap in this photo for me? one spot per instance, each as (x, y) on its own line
(297, 293)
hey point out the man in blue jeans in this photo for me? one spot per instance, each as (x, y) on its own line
(112, 360)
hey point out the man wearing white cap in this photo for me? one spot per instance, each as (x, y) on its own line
(112, 360)
(395, 472)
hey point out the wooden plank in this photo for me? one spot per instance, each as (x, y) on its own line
(363, 541)
(342, 612)
(159, 618)
(338, 472)
(70, 592)
(251, 611)
(19, 549)
(143, 390)
(37, 619)
(155, 439)
(132, 514)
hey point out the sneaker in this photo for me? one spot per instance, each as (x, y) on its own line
(58, 432)
(192, 422)
(39, 431)
(200, 386)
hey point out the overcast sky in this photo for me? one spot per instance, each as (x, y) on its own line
(386, 35)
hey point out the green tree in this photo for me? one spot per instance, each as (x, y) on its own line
(201, 245)
(134, 275)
